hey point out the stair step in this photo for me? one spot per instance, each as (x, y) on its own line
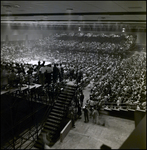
(65, 95)
(55, 117)
(38, 145)
(61, 105)
(39, 140)
(70, 87)
(65, 99)
(58, 107)
(41, 136)
(50, 128)
(63, 102)
(57, 114)
(46, 131)
(69, 91)
(51, 124)
(53, 120)
(57, 110)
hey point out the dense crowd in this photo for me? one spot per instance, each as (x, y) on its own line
(126, 83)
(117, 77)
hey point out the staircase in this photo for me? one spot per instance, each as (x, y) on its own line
(56, 119)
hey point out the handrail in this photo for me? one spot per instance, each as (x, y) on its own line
(25, 118)
(28, 131)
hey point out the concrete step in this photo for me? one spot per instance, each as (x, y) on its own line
(59, 104)
(53, 120)
(69, 90)
(58, 111)
(38, 145)
(52, 124)
(50, 128)
(67, 93)
(58, 107)
(57, 114)
(64, 99)
(71, 86)
(46, 131)
(66, 96)
(55, 117)
(62, 102)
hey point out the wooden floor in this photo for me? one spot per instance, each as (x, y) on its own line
(92, 136)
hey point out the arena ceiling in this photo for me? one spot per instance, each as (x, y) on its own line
(132, 13)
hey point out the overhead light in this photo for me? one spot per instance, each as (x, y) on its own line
(69, 10)
(7, 6)
(16, 6)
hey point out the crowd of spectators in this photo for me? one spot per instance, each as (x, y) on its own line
(83, 57)
(124, 84)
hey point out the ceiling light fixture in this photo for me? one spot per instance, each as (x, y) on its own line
(7, 6)
(69, 10)
(16, 6)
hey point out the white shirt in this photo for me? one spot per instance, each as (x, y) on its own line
(49, 69)
(42, 69)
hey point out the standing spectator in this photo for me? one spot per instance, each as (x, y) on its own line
(92, 104)
(4, 77)
(37, 70)
(22, 69)
(61, 72)
(46, 141)
(80, 76)
(79, 111)
(12, 78)
(95, 115)
(81, 99)
(71, 71)
(86, 114)
(42, 74)
(51, 94)
(76, 99)
(55, 73)
(49, 70)
(72, 116)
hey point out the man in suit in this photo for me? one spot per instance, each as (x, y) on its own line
(86, 114)
(55, 73)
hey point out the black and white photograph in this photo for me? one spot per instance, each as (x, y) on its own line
(73, 74)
